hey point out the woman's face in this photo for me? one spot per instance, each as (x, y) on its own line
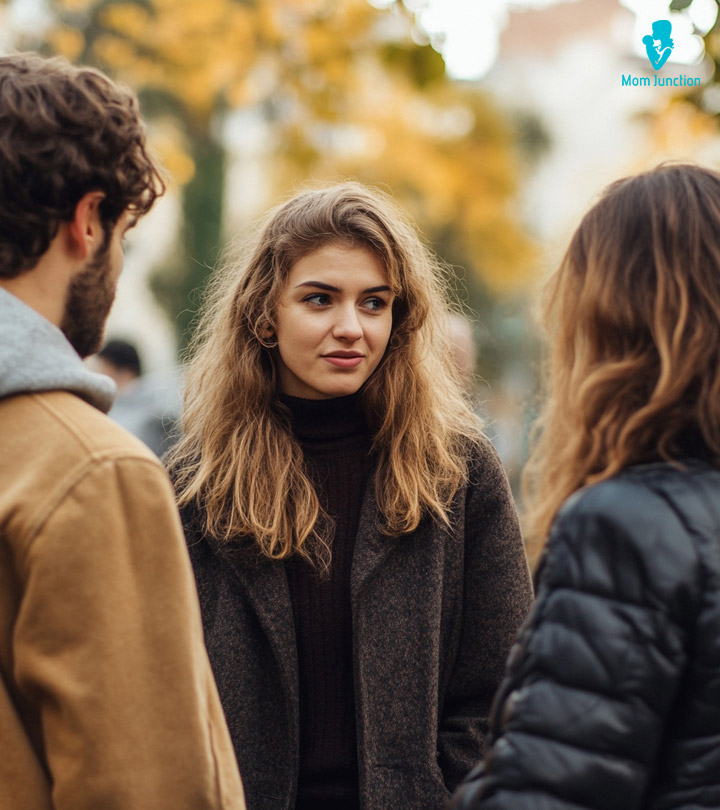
(333, 322)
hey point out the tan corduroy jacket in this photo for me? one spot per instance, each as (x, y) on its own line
(107, 701)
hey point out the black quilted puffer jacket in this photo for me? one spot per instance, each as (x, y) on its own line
(611, 699)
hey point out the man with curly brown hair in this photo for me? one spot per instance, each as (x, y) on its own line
(106, 696)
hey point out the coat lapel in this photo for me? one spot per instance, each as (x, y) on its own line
(265, 584)
(371, 547)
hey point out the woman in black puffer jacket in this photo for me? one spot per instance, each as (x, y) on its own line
(611, 699)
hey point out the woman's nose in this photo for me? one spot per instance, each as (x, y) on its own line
(347, 325)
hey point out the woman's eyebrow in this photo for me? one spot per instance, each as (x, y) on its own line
(321, 286)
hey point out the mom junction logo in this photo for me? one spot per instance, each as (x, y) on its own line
(659, 46)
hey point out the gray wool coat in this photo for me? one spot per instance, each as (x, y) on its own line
(435, 613)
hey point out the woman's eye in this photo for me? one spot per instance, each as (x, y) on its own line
(316, 299)
(375, 304)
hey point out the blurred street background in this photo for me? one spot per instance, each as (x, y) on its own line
(494, 123)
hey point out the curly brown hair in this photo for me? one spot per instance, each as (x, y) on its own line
(64, 131)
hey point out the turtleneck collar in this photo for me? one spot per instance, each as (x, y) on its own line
(326, 419)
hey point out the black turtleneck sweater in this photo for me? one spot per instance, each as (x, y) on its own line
(336, 443)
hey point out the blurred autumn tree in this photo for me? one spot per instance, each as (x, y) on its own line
(345, 89)
(707, 96)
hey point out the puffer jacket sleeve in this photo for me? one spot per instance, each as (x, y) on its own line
(590, 682)
(497, 596)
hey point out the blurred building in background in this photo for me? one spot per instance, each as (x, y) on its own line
(564, 64)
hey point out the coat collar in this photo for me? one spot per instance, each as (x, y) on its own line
(371, 547)
(266, 587)
(265, 584)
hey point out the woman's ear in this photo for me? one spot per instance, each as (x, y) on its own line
(85, 228)
(268, 338)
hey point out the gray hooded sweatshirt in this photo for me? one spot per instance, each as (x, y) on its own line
(36, 356)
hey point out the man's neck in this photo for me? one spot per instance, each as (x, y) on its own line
(44, 287)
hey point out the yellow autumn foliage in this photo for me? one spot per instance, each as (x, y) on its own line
(169, 143)
(321, 71)
(680, 128)
(67, 42)
(78, 5)
(129, 19)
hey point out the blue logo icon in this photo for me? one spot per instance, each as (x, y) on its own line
(658, 44)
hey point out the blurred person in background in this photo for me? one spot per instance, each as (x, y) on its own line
(612, 693)
(464, 352)
(147, 407)
(355, 544)
(498, 410)
(119, 360)
(107, 699)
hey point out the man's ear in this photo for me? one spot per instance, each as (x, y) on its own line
(86, 229)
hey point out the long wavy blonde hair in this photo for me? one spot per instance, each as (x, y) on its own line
(238, 458)
(633, 319)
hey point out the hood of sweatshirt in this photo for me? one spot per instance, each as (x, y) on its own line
(36, 356)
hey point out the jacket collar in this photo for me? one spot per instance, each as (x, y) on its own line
(265, 584)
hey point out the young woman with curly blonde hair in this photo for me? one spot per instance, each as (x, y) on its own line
(356, 548)
(612, 695)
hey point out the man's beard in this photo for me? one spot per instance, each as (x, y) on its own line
(88, 302)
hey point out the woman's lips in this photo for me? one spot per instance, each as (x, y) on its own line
(343, 362)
